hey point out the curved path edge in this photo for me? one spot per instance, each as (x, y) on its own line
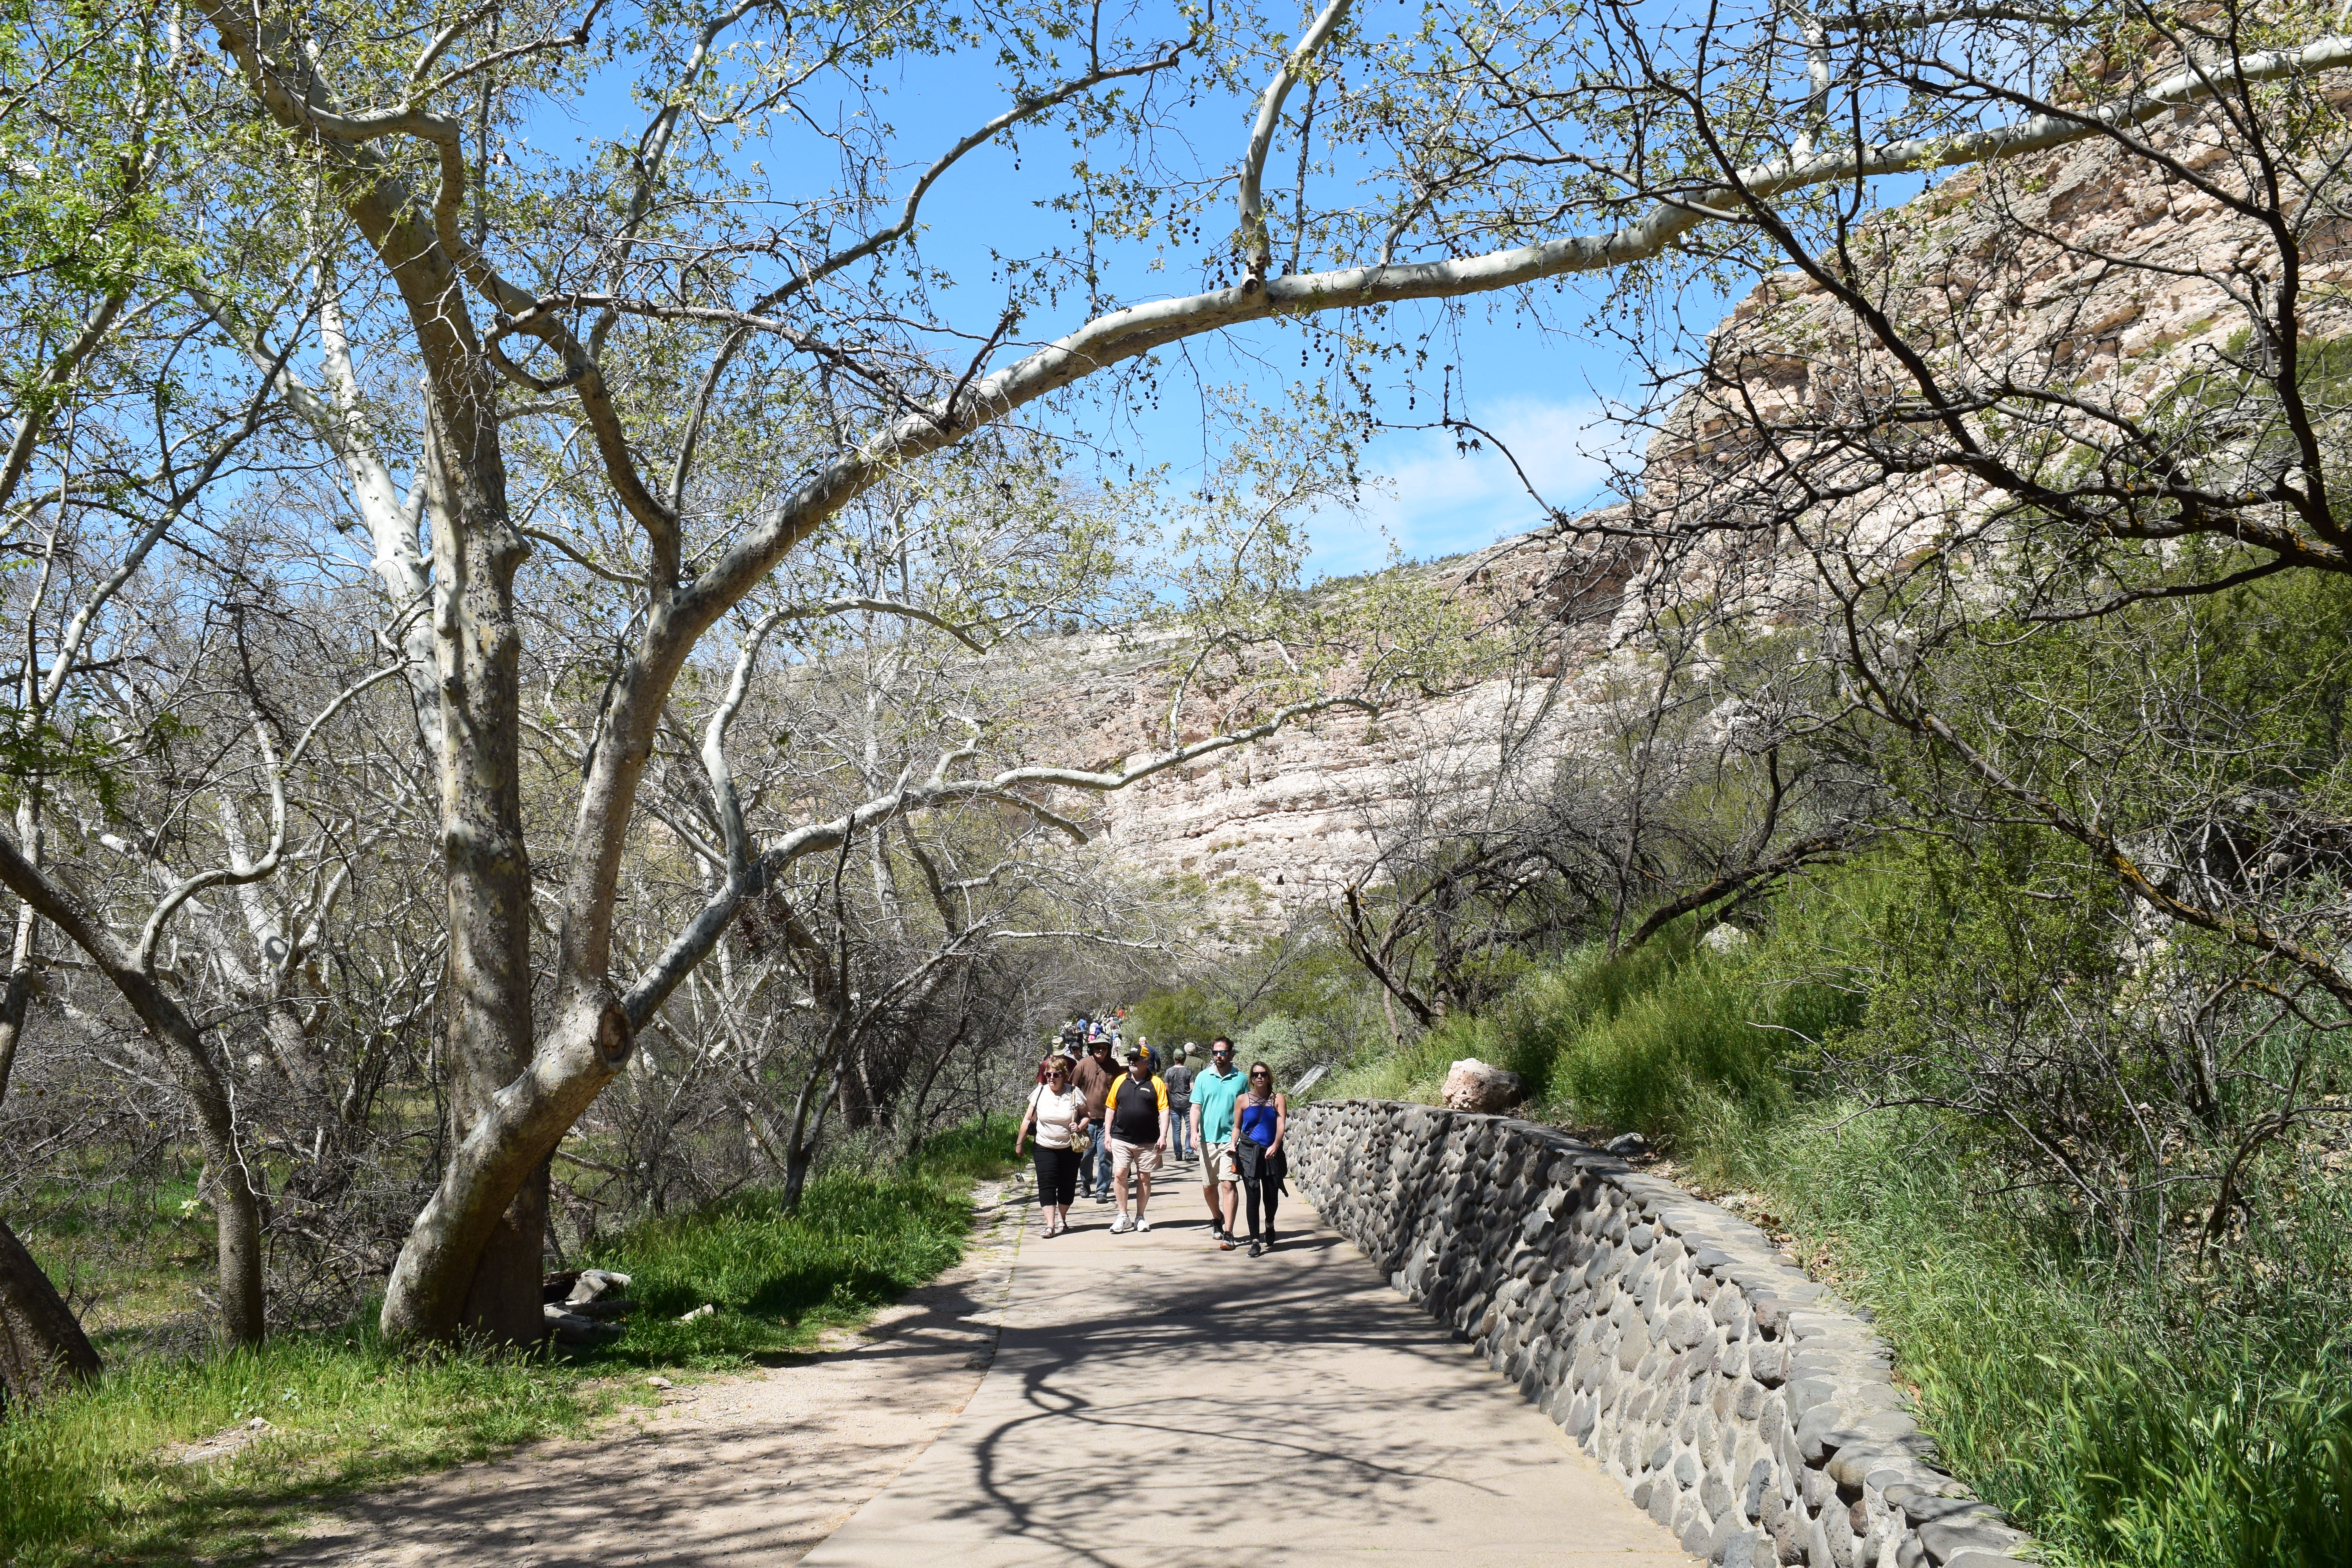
(1739, 1404)
(1156, 1402)
(745, 1471)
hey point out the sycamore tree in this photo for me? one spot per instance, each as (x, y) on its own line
(608, 315)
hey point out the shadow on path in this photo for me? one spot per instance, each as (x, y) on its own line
(742, 1470)
(1156, 1401)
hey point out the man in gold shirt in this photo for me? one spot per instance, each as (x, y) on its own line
(1136, 1117)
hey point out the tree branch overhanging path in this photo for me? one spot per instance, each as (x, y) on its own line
(528, 1113)
(819, 375)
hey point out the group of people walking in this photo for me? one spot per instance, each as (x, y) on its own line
(1103, 1131)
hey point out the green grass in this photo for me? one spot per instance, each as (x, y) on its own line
(779, 1281)
(2126, 1426)
(1663, 1040)
(89, 1476)
(2131, 1420)
(128, 1254)
(95, 1476)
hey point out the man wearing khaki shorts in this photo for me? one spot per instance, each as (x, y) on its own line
(1136, 1115)
(1214, 1092)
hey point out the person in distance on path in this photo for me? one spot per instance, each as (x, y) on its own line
(1057, 1113)
(1092, 1077)
(1260, 1118)
(1179, 1079)
(1213, 1094)
(1138, 1124)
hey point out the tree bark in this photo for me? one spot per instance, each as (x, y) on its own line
(236, 1207)
(42, 1347)
(17, 998)
(502, 1160)
(914, 1146)
(484, 862)
(41, 1344)
(857, 1098)
(799, 1154)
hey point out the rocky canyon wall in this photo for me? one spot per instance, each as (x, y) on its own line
(2011, 269)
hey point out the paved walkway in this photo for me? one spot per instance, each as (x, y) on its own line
(1153, 1401)
(744, 1471)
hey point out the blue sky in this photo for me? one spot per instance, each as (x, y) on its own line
(1545, 393)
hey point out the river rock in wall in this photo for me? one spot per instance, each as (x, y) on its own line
(1745, 1406)
(1472, 1085)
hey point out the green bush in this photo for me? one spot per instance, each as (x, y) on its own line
(1281, 1042)
(1169, 1018)
(1693, 1045)
(2132, 1414)
(1665, 1040)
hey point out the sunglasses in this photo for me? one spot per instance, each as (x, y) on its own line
(1261, 1075)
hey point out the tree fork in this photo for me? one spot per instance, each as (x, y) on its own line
(432, 1288)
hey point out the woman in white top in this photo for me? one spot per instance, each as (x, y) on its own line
(1057, 1114)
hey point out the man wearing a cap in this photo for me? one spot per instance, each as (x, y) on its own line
(1214, 1093)
(1138, 1107)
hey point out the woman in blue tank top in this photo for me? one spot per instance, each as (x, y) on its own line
(1260, 1118)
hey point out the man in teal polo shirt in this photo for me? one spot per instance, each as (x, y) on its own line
(1214, 1092)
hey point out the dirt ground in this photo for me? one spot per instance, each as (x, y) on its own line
(749, 1470)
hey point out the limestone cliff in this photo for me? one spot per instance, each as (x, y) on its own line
(1280, 826)
(2012, 269)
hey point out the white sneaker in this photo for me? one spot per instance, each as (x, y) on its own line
(1141, 1222)
(1121, 1225)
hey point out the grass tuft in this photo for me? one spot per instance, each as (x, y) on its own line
(779, 1280)
(2083, 1400)
(97, 1475)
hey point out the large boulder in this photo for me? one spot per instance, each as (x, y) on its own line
(1472, 1085)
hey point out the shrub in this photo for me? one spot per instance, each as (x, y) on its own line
(1281, 1042)
(2127, 1425)
(2135, 1408)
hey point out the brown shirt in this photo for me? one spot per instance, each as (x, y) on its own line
(1094, 1080)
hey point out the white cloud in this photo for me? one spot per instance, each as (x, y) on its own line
(1433, 499)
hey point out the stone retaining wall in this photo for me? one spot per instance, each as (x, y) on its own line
(1739, 1402)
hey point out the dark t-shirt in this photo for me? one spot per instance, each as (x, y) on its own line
(1179, 1080)
(1093, 1080)
(1135, 1110)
